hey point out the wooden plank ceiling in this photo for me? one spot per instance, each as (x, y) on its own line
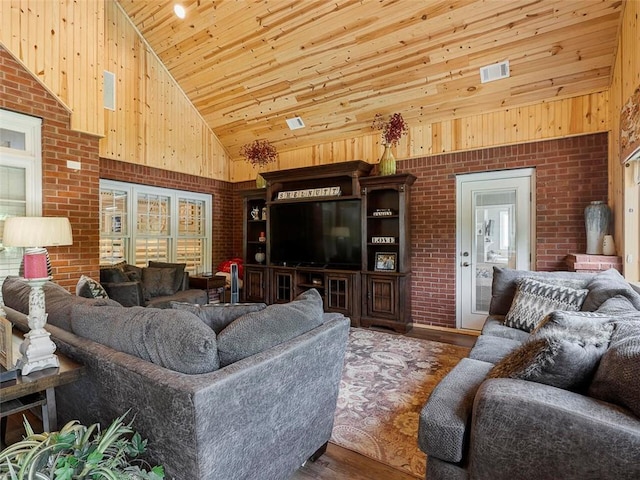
(249, 65)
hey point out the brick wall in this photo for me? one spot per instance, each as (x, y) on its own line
(65, 192)
(570, 173)
(227, 214)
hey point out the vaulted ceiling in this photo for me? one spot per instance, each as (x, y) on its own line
(249, 65)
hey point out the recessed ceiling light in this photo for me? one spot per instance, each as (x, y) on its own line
(179, 10)
(295, 123)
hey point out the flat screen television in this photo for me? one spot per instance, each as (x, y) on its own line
(316, 234)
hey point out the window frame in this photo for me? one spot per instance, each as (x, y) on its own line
(174, 195)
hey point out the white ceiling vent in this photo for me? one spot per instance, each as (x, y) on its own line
(295, 123)
(493, 72)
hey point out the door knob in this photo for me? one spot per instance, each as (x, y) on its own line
(465, 264)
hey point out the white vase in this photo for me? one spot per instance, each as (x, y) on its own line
(597, 216)
(608, 245)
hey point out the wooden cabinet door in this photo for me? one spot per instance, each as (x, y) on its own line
(382, 296)
(255, 284)
(282, 286)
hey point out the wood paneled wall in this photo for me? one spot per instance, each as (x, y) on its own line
(624, 193)
(154, 123)
(561, 118)
(61, 43)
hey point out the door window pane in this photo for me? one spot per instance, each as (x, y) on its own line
(494, 242)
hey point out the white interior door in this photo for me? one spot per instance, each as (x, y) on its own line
(494, 229)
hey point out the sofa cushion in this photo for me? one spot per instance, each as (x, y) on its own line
(566, 319)
(495, 327)
(113, 274)
(617, 379)
(557, 356)
(178, 275)
(58, 301)
(442, 431)
(608, 284)
(173, 339)
(158, 282)
(218, 315)
(192, 295)
(87, 287)
(493, 349)
(258, 331)
(534, 300)
(505, 283)
(616, 304)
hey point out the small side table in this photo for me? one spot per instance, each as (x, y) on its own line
(207, 283)
(37, 390)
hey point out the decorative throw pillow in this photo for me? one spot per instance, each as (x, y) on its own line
(505, 282)
(557, 356)
(258, 331)
(608, 284)
(178, 275)
(173, 339)
(617, 379)
(158, 282)
(218, 316)
(565, 319)
(87, 287)
(113, 274)
(534, 300)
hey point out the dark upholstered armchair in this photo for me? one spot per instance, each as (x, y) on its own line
(156, 285)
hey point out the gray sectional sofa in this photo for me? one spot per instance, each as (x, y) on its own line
(242, 393)
(156, 285)
(546, 393)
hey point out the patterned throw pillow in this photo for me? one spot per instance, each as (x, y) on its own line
(89, 288)
(558, 356)
(534, 300)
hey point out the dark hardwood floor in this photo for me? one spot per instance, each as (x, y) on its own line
(337, 463)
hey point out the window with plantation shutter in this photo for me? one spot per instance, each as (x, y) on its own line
(141, 224)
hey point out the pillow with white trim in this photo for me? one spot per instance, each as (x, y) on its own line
(534, 300)
(87, 287)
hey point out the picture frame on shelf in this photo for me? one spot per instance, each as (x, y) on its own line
(385, 262)
(6, 343)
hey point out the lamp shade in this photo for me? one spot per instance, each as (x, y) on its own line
(36, 232)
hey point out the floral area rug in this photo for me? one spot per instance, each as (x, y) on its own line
(385, 382)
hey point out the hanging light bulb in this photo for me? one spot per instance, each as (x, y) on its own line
(179, 11)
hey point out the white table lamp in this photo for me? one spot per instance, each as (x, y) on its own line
(35, 233)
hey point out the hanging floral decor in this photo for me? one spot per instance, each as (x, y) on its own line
(259, 153)
(392, 129)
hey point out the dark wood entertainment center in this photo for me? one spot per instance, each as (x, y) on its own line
(375, 294)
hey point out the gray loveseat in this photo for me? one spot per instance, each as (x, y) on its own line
(561, 401)
(259, 399)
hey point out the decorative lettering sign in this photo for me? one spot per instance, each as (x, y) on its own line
(382, 212)
(383, 239)
(310, 193)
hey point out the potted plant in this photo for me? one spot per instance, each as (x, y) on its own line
(392, 130)
(79, 452)
(259, 153)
